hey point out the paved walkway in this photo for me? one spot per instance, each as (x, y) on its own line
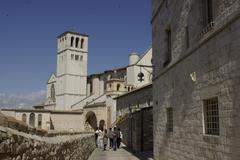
(120, 154)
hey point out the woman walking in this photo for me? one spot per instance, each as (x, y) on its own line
(119, 137)
(105, 139)
(100, 139)
(115, 139)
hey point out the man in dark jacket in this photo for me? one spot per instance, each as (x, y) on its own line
(115, 132)
(110, 136)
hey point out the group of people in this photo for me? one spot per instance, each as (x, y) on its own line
(111, 137)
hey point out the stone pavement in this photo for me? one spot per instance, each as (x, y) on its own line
(120, 154)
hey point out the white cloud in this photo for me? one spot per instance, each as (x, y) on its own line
(22, 100)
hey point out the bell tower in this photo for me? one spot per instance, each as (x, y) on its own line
(72, 56)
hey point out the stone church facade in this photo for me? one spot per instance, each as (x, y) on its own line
(196, 79)
(77, 101)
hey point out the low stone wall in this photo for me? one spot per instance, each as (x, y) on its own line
(16, 145)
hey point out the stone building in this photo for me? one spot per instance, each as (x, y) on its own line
(77, 101)
(196, 79)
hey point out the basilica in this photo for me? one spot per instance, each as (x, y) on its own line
(77, 101)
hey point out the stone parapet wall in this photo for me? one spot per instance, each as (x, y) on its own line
(15, 145)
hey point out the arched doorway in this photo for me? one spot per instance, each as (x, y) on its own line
(102, 125)
(32, 120)
(24, 117)
(91, 121)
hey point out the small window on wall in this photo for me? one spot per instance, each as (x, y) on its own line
(169, 119)
(211, 116)
(208, 11)
(166, 3)
(118, 87)
(168, 52)
(81, 58)
(187, 36)
(76, 57)
(72, 56)
(53, 92)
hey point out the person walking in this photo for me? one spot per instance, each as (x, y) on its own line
(96, 136)
(119, 137)
(110, 136)
(100, 139)
(115, 138)
(105, 140)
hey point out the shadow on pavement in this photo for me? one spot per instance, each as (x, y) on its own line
(141, 155)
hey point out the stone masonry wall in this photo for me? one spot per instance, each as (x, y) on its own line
(208, 68)
(16, 145)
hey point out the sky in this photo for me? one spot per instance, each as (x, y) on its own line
(28, 31)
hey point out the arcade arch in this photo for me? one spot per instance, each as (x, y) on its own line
(90, 121)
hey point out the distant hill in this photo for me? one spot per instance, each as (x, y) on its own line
(22, 100)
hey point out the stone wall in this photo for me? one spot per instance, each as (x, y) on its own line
(137, 130)
(208, 68)
(16, 145)
(134, 100)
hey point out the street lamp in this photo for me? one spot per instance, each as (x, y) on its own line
(140, 74)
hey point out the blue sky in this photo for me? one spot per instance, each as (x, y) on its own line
(28, 31)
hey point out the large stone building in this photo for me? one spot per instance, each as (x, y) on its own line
(77, 101)
(196, 59)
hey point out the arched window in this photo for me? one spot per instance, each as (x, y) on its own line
(40, 121)
(72, 39)
(81, 58)
(53, 92)
(82, 42)
(76, 43)
(118, 87)
(24, 117)
(32, 120)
